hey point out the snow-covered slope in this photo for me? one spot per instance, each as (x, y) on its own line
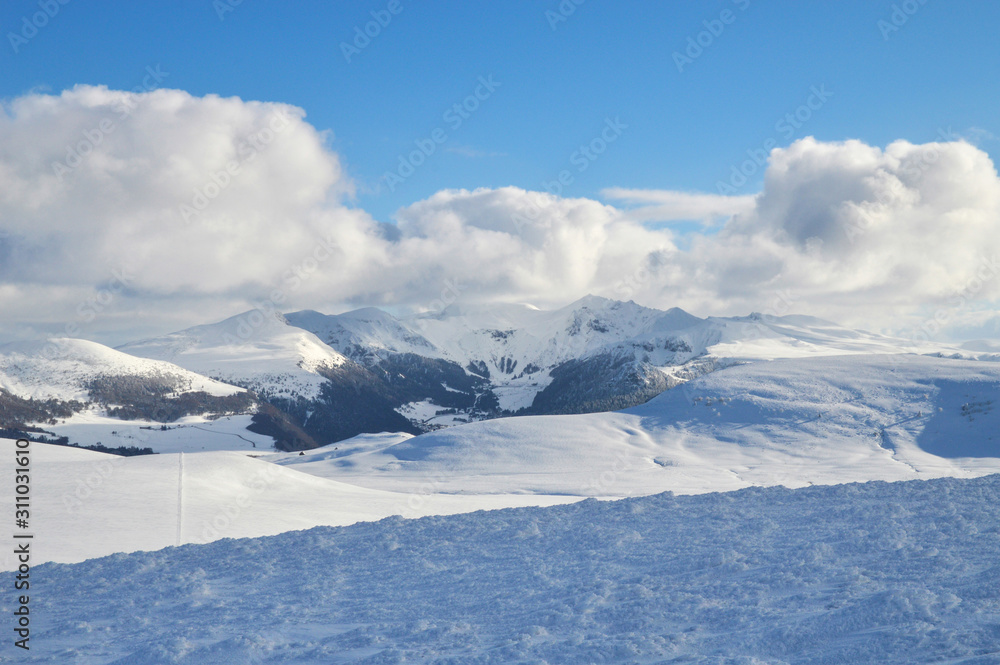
(257, 350)
(792, 422)
(873, 574)
(758, 337)
(86, 504)
(191, 433)
(366, 335)
(316, 394)
(63, 368)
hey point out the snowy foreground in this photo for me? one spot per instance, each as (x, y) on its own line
(87, 504)
(880, 572)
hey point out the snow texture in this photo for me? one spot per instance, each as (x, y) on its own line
(876, 573)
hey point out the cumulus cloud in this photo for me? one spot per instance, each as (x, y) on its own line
(122, 213)
(854, 226)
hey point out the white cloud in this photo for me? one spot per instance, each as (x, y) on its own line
(869, 236)
(667, 206)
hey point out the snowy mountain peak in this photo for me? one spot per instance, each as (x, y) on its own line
(366, 335)
(592, 301)
(251, 349)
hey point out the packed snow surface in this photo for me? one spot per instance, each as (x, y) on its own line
(876, 573)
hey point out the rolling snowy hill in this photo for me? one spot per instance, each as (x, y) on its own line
(793, 422)
(65, 369)
(63, 387)
(259, 351)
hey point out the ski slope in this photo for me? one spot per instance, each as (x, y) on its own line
(792, 422)
(868, 574)
(86, 504)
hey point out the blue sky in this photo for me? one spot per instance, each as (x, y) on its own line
(686, 130)
(654, 124)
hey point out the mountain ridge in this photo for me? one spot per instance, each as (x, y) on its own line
(313, 379)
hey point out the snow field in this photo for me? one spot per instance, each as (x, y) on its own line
(86, 504)
(187, 434)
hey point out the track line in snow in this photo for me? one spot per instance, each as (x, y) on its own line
(180, 496)
(224, 434)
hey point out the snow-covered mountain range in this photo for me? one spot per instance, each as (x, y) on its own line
(307, 379)
(593, 355)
